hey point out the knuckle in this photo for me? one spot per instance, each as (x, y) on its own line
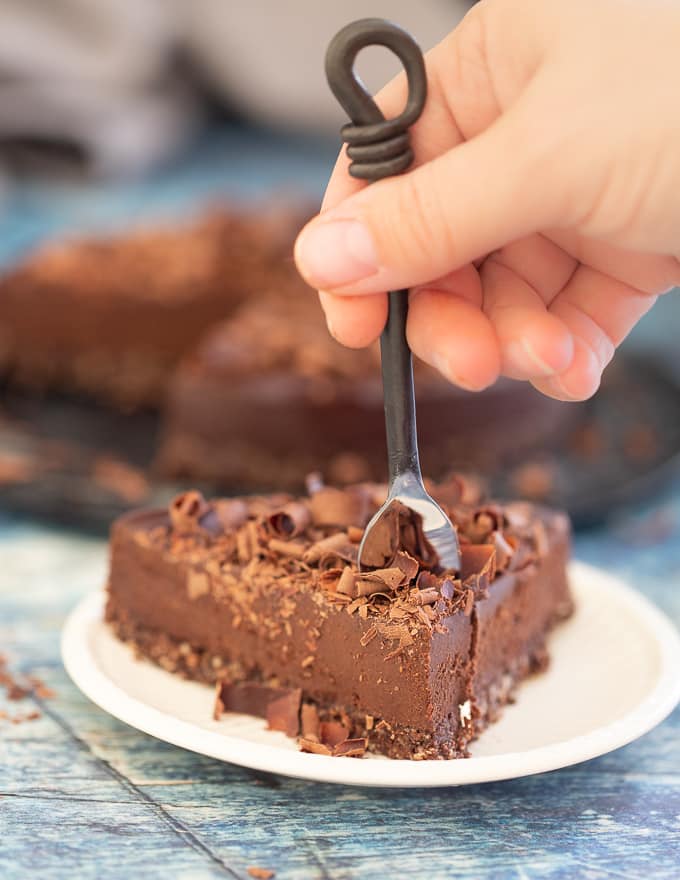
(426, 220)
(405, 223)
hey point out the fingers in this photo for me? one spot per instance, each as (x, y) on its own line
(448, 330)
(648, 272)
(533, 343)
(562, 347)
(520, 281)
(599, 312)
(355, 321)
(488, 171)
(580, 381)
(410, 229)
(542, 264)
(512, 331)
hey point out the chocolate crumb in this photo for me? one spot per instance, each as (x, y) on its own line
(407, 564)
(229, 513)
(18, 689)
(283, 713)
(333, 732)
(384, 580)
(16, 468)
(504, 551)
(186, 509)
(351, 748)
(286, 548)
(477, 559)
(427, 597)
(535, 480)
(15, 692)
(251, 698)
(260, 873)
(368, 636)
(640, 443)
(291, 520)
(588, 441)
(330, 551)
(316, 748)
(447, 590)
(309, 721)
(347, 583)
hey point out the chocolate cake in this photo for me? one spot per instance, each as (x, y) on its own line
(262, 596)
(269, 396)
(112, 316)
(210, 324)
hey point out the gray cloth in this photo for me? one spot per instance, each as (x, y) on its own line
(101, 74)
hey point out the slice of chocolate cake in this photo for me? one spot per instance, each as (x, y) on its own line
(112, 316)
(262, 596)
(269, 396)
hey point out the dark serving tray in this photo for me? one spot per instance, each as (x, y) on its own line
(77, 463)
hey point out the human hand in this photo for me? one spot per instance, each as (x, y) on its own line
(542, 216)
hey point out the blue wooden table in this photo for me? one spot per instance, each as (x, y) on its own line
(82, 795)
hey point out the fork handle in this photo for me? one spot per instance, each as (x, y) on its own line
(380, 148)
(398, 390)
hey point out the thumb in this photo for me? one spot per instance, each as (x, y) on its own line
(408, 230)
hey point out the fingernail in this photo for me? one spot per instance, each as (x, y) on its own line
(526, 359)
(330, 254)
(330, 326)
(323, 300)
(441, 362)
(535, 358)
(587, 375)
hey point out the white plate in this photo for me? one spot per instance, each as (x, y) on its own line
(613, 677)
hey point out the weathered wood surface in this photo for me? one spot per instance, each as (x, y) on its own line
(82, 795)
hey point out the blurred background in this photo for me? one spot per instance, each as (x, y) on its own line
(156, 159)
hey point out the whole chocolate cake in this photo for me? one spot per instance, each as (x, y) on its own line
(262, 596)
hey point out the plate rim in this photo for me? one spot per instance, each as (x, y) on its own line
(82, 668)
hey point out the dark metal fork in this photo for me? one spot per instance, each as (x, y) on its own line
(379, 148)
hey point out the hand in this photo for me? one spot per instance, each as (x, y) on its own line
(542, 216)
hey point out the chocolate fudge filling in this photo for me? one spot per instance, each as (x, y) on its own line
(265, 592)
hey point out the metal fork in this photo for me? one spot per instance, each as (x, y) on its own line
(380, 148)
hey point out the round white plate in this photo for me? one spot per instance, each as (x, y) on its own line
(613, 677)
